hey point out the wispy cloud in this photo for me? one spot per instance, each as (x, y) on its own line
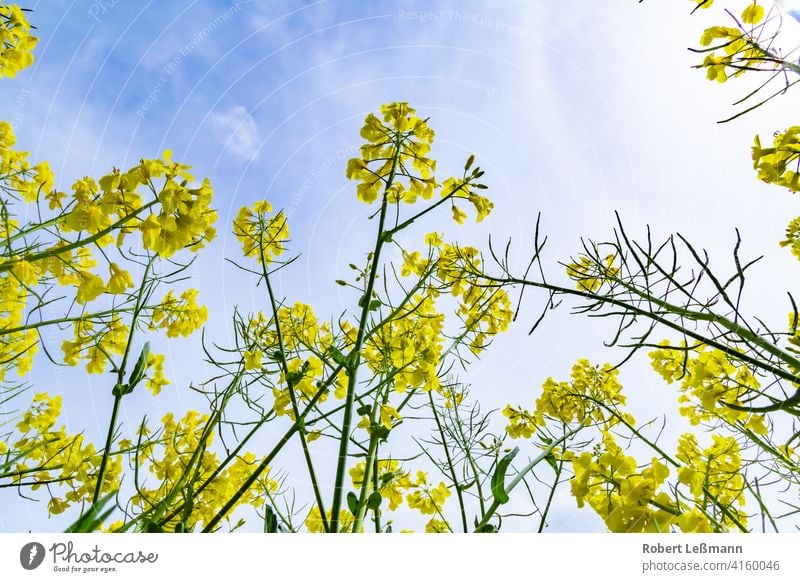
(236, 130)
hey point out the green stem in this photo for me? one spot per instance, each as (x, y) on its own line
(550, 496)
(354, 358)
(39, 324)
(759, 364)
(101, 473)
(291, 384)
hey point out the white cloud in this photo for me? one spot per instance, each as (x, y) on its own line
(236, 130)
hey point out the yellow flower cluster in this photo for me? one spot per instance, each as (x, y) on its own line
(394, 160)
(18, 177)
(409, 346)
(17, 348)
(303, 376)
(590, 274)
(261, 236)
(521, 423)
(625, 496)
(179, 216)
(462, 189)
(314, 523)
(593, 393)
(485, 311)
(739, 51)
(426, 499)
(778, 164)
(400, 142)
(155, 373)
(484, 308)
(300, 327)
(179, 316)
(585, 396)
(437, 526)
(792, 239)
(53, 457)
(16, 42)
(305, 341)
(393, 481)
(96, 344)
(713, 476)
(709, 380)
(179, 459)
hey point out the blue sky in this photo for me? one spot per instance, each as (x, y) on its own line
(574, 109)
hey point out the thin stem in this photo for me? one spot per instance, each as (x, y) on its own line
(45, 323)
(550, 496)
(450, 465)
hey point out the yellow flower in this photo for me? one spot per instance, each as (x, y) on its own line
(252, 359)
(425, 499)
(437, 526)
(591, 273)
(753, 14)
(155, 378)
(433, 239)
(119, 279)
(90, 287)
(389, 415)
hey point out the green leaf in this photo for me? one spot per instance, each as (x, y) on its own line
(352, 502)
(374, 501)
(374, 304)
(120, 390)
(499, 477)
(551, 460)
(270, 520)
(139, 367)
